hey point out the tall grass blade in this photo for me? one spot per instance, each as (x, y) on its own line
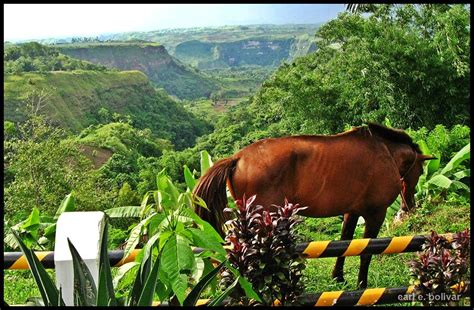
(47, 288)
(220, 299)
(85, 291)
(146, 296)
(193, 296)
(105, 290)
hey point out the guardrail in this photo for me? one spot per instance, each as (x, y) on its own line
(315, 249)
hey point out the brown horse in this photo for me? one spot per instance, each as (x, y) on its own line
(356, 173)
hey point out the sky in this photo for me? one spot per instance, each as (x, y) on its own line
(41, 21)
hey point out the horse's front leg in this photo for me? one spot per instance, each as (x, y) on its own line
(373, 223)
(350, 222)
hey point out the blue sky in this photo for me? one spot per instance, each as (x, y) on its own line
(38, 21)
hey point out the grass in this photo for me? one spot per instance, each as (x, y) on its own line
(19, 285)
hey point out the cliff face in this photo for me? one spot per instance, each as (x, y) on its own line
(259, 51)
(151, 59)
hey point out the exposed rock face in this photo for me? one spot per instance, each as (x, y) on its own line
(152, 59)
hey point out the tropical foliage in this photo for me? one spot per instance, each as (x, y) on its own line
(441, 266)
(166, 217)
(86, 293)
(38, 232)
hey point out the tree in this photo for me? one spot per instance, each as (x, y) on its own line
(44, 168)
(408, 63)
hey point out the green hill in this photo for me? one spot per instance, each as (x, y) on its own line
(152, 59)
(77, 99)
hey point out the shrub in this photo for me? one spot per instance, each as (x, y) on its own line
(264, 251)
(440, 266)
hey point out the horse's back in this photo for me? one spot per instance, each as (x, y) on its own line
(327, 173)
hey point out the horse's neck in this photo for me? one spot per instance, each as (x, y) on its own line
(400, 152)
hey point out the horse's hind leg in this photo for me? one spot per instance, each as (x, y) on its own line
(372, 228)
(350, 222)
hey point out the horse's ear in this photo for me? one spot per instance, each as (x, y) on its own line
(426, 157)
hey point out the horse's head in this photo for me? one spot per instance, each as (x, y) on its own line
(411, 171)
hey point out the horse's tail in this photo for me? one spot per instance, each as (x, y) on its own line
(212, 189)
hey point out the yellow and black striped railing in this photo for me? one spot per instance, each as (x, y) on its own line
(16, 260)
(315, 249)
(376, 296)
(366, 297)
(355, 247)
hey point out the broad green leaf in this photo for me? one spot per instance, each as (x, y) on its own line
(193, 296)
(50, 230)
(147, 251)
(124, 270)
(424, 147)
(123, 212)
(177, 257)
(198, 271)
(105, 289)
(154, 225)
(189, 178)
(206, 162)
(164, 236)
(85, 291)
(433, 165)
(46, 286)
(220, 299)
(200, 202)
(462, 155)
(460, 185)
(135, 235)
(462, 174)
(144, 203)
(32, 221)
(206, 240)
(67, 205)
(205, 226)
(168, 191)
(440, 180)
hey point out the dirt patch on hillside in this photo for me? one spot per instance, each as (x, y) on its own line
(97, 155)
(224, 105)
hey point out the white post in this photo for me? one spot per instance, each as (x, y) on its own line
(84, 229)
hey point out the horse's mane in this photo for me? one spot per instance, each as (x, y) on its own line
(395, 135)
